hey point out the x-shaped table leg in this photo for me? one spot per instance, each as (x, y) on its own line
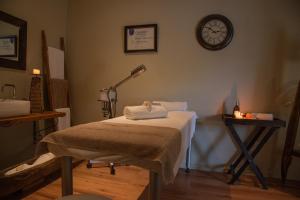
(250, 158)
(257, 132)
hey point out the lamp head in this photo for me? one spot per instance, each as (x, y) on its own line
(109, 96)
(137, 71)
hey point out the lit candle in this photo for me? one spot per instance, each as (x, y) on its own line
(238, 114)
(36, 72)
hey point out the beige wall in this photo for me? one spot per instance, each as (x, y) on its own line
(50, 15)
(261, 63)
(256, 65)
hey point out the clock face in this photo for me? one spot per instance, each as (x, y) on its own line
(214, 32)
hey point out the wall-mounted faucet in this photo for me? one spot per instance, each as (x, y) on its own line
(12, 86)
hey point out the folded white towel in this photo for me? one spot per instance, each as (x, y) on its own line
(142, 112)
(264, 116)
(173, 105)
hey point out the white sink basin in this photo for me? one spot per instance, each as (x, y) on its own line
(12, 107)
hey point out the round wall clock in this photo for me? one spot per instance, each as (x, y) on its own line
(214, 32)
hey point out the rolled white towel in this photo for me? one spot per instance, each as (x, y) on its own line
(172, 105)
(42, 159)
(142, 112)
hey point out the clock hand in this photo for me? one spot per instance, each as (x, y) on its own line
(210, 29)
(219, 31)
(214, 31)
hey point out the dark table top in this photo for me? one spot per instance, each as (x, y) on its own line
(230, 120)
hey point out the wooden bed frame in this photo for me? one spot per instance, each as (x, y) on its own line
(67, 180)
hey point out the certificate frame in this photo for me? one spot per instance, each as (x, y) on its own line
(140, 38)
(8, 46)
(20, 63)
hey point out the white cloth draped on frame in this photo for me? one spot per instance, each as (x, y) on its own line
(56, 63)
(142, 112)
(63, 122)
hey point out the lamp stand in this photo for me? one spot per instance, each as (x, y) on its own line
(109, 99)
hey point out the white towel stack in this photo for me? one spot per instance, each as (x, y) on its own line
(142, 112)
(172, 105)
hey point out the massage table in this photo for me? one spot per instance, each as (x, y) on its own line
(177, 130)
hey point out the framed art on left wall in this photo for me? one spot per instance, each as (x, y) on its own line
(8, 46)
(140, 38)
(13, 41)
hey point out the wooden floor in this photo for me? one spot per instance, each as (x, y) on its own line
(213, 186)
(130, 182)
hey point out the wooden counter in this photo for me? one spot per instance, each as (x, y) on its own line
(33, 117)
(8, 121)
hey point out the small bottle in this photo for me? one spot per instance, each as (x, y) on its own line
(236, 108)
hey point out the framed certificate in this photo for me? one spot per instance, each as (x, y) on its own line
(140, 38)
(8, 46)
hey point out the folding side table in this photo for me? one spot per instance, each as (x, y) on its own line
(260, 137)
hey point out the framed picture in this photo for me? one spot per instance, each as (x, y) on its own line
(8, 46)
(140, 38)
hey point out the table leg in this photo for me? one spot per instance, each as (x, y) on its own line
(258, 131)
(249, 158)
(188, 159)
(34, 132)
(154, 186)
(254, 153)
(66, 176)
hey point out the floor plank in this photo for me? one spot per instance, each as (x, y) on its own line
(130, 182)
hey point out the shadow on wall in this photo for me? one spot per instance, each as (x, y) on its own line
(213, 147)
(207, 148)
(212, 143)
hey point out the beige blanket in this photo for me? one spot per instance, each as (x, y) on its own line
(151, 147)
